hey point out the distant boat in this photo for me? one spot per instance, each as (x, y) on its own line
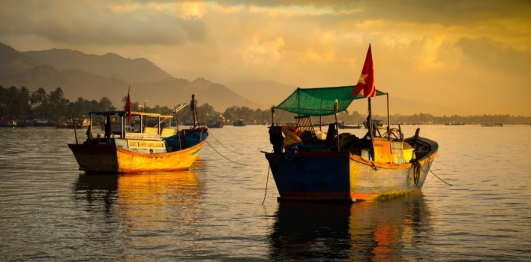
(455, 124)
(343, 126)
(80, 124)
(43, 123)
(376, 122)
(239, 122)
(145, 149)
(489, 125)
(215, 124)
(12, 123)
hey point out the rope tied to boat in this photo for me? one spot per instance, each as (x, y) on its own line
(372, 164)
(223, 155)
(429, 165)
(267, 181)
(211, 134)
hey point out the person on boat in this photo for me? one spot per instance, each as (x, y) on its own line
(292, 140)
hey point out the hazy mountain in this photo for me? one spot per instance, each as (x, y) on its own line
(39, 76)
(173, 91)
(268, 93)
(110, 75)
(13, 62)
(109, 65)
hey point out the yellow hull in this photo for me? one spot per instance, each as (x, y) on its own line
(114, 159)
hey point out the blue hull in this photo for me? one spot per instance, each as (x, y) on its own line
(342, 176)
(311, 176)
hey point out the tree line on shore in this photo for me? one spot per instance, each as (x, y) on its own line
(23, 105)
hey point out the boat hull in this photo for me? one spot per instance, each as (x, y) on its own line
(114, 159)
(215, 125)
(341, 176)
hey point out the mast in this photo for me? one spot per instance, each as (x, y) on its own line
(337, 127)
(194, 110)
(371, 128)
(272, 115)
(388, 119)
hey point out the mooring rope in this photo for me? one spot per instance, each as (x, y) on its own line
(210, 133)
(265, 191)
(440, 178)
(435, 174)
(223, 155)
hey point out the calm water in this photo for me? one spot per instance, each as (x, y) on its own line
(50, 211)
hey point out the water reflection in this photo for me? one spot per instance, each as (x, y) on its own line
(151, 199)
(392, 230)
(145, 199)
(99, 191)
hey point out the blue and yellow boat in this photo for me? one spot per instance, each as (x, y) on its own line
(137, 142)
(308, 164)
(326, 166)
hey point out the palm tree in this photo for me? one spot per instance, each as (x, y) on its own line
(39, 97)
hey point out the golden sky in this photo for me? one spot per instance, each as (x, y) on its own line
(466, 57)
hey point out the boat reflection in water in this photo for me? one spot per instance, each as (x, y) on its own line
(388, 230)
(144, 199)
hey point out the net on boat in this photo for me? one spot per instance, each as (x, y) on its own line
(320, 101)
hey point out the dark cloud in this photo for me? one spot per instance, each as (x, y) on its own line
(485, 52)
(446, 12)
(74, 22)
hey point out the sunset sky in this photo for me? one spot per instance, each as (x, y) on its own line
(469, 57)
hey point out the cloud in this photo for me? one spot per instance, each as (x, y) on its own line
(75, 22)
(485, 52)
(421, 48)
(263, 52)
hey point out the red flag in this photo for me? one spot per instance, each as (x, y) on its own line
(365, 84)
(128, 105)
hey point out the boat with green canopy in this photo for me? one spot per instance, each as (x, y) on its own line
(308, 164)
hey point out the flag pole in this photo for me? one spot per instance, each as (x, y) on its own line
(388, 119)
(371, 128)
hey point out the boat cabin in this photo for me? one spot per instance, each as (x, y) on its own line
(144, 132)
(115, 124)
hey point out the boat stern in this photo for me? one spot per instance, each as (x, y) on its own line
(311, 176)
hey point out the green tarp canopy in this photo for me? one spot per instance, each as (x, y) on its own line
(319, 101)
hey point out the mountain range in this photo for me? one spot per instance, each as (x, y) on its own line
(110, 75)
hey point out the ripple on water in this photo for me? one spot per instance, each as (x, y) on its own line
(52, 211)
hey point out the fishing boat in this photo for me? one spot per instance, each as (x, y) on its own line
(375, 122)
(217, 120)
(239, 122)
(455, 124)
(342, 125)
(126, 148)
(43, 123)
(71, 123)
(215, 124)
(308, 164)
(12, 123)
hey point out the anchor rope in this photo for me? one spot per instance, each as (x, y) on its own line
(372, 164)
(224, 156)
(435, 174)
(210, 133)
(267, 181)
